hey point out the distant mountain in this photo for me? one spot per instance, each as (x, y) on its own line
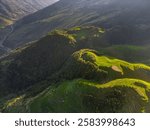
(11, 10)
(127, 21)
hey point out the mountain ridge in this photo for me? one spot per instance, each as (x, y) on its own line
(124, 22)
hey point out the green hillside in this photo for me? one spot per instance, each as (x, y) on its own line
(73, 70)
(121, 95)
(37, 61)
(90, 64)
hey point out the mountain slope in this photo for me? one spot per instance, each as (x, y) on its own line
(127, 22)
(86, 96)
(11, 10)
(120, 95)
(69, 68)
(47, 56)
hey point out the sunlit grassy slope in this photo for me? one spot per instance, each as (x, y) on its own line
(90, 64)
(79, 95)
(116, 64)
(121, 95)
(74, 70)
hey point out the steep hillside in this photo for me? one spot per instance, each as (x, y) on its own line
(47, 56)
(89, 64)
(71, 68)
(120, 95)
(127, 22)
(126, 95)
(11, 10)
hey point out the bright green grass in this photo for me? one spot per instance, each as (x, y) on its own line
(68, 96)
(78, 95)
(104, 61)
(140, 86)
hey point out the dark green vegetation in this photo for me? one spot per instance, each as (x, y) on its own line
(132, 53)
(71, 70)
(34, 63)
